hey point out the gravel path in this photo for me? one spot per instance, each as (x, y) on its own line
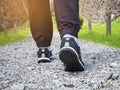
(19, 69)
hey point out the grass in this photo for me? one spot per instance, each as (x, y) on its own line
(13, 37)
(98, 34)
(54, 23)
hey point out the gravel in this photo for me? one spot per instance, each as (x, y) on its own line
(19, 69)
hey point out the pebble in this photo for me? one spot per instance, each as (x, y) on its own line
(110, 76)
(115, 77)
(17, 87)
(95, 86)
(92, 56)
(19, 69)
(70, 85)
(26, 88)
(113, 65)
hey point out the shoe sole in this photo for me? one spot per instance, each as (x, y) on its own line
(43, 60)
(71, 59)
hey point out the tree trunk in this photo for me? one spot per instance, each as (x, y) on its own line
(108, 23)
(89, 25)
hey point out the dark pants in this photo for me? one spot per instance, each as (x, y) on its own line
(67, 16)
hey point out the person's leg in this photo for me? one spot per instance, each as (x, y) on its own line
(40, 22)
(41, 27)
(67, 16)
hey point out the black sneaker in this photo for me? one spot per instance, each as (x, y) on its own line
(44, 55)
(70, 55)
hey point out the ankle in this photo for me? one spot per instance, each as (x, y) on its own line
(48, 47)
(71, 36)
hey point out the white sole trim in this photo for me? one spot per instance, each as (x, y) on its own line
(40, 59)
(75, 53)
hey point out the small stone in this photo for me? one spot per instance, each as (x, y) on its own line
(70, 85)
(115, 77)
(102, 85)
(92, 56)
(26, 88)
(82, 80)
(17, 87)
(113, 65)
(110, 76)
(95, 87)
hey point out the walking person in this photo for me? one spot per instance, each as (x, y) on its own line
(67, 17)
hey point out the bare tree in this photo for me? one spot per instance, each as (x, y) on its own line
(108, 17)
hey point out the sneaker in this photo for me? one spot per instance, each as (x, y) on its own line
(44, 55)
(70, 55)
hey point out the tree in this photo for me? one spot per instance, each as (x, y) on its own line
(11, 12)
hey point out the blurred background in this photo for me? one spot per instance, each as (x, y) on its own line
(99, 18)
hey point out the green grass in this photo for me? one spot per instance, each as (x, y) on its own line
(98, 34)
(54, 23)
(13, 37)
